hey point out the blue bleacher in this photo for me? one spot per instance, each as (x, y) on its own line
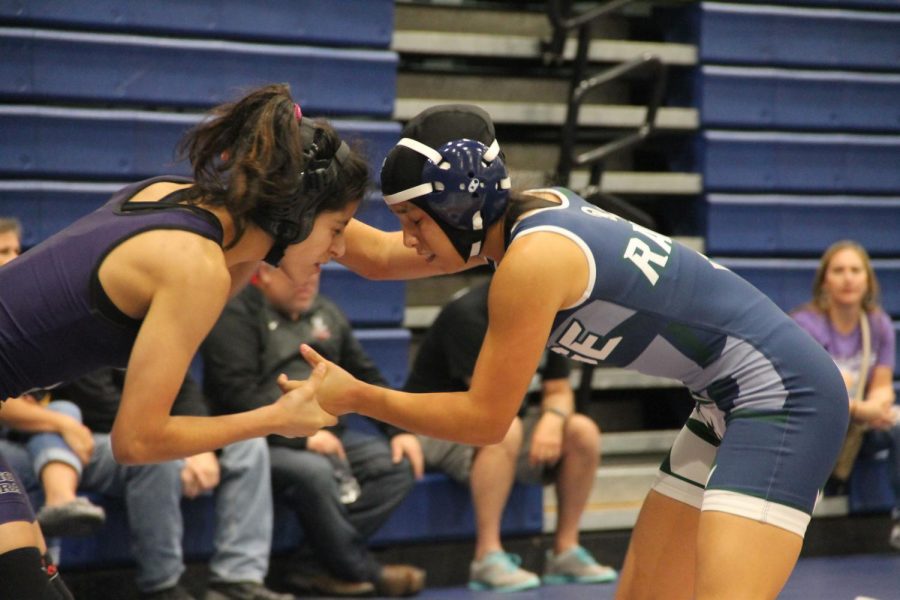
(876, 4)
(436, 509)
(127, 145)
(773, 161)
(869, 487)
(738, 97)
(366, 303)
(368, 23)
(779, 225)
(389, 348)
(788, 282)
(45, 207)
(803, 37)
(76, 66)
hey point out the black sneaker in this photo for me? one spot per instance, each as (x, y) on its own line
(176, 592)
(243, 590)
(323, 584)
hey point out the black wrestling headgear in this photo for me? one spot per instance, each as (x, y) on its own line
(292, 222)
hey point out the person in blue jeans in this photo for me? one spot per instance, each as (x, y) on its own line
(56, 453)
(257, 339)
(238, 475)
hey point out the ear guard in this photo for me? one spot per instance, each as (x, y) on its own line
(448, 163)
(465, 188)
(291, 222)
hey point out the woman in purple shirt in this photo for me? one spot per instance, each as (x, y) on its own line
(845, 301)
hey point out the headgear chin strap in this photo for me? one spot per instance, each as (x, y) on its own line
(291, 222)
(465, 189)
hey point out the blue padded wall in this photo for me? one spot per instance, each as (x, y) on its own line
(127, 145)
(799, 146)
(45, 207)
(436, 509)
(75, 66)
(367, 23)
(780, 225)
(878, 4)
(788, 282)
(389, 348)
(731, 97)
(827, 163)
(366, 303)
(791, 36)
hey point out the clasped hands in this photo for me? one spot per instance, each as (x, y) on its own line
(316, 402)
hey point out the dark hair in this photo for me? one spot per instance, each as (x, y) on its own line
(248, 157)
(247, 154)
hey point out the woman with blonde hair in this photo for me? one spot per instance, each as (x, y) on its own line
(845, 317)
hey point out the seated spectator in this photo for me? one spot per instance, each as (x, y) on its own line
(56, 451)
(238, 475)
(550, 445)
(257, 339)
(10, 239)
(844, 316)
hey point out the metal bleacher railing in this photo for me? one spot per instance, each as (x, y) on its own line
(565, 19)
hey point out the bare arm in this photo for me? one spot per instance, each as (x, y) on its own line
(26, 415)
(876, 408)
(539, 274)
(377, 254)
(188, 296)
(557, 396)
(557, 404)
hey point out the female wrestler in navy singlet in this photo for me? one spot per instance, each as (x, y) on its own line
(727, 514)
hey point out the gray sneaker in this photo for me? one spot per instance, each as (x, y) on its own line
(500, 572)
(895, 536)
(576, 565)
(77, 517)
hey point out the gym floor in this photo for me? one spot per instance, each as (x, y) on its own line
(855, 577)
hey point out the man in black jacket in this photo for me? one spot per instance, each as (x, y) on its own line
(343, 482)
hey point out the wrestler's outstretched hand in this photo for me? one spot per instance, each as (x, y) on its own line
(300, 413)
(337, 391)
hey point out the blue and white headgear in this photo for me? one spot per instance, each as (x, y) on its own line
(448, 163)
